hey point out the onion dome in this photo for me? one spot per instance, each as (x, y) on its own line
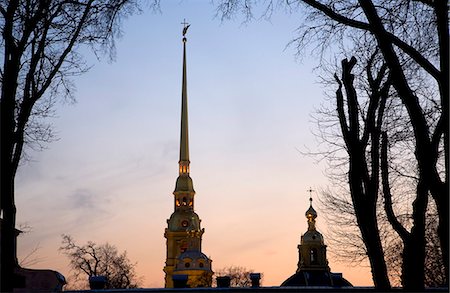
(311, 215)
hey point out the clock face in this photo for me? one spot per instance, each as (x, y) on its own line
(185, 223)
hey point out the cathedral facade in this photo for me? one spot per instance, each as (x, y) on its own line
(184, 257)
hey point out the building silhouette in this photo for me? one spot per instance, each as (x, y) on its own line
(312, 267)
(185, 261)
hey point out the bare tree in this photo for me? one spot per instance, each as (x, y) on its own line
(105, 260)
(363, 173)
(408, 225)
(204, 280)
(433, 266)
(40, 52)
(412, 38)
(239, 276)
(398, 171)
(397, 48)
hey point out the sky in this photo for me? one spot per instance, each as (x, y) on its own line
(110, 175)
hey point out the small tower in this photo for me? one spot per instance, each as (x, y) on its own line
(312, 249)
(312, 267)
(184, 234)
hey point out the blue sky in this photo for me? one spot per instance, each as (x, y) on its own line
(110, 175)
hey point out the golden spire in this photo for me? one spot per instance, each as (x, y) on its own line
(184, 140)
(184, 182)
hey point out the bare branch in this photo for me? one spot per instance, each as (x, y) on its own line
(402, 232)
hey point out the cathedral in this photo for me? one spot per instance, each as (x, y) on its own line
(184, 258)
(312, 267)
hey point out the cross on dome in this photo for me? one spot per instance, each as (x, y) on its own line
(310, 196)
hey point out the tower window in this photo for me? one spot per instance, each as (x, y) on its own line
(201, 265)
(188, 264)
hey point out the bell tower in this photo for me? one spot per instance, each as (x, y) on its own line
(312, 249)
(184, 234)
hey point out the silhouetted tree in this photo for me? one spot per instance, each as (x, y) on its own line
(434, 267)
(428, 137)
(239, 276)
(91, 259)
(40, 51)
(363, 172)
(204, 280)
(407, 224)
(413, 39)
(32, 257)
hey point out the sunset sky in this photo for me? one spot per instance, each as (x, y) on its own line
(110, 175)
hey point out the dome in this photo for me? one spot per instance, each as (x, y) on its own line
(311, 212)
(184, 183)
(312, 236)
(184, 220)
(193, 260)
(316, 278)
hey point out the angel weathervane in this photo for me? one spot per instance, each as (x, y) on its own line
(185, 28)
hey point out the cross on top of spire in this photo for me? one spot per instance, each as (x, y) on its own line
(310, 195)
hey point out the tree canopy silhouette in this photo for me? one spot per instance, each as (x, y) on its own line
(40, 52)
(93, 259)
(412, 38)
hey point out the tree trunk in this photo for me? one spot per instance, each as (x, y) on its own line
(7, 238)
(413, 266)
(367, 222)
(7, 170)
(363, 185)
(365, 211)
(425, 153)
(8, 249)
(442, 204)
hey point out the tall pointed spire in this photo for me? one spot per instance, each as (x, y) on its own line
(184, 182)
(184, 233)
(184, 141)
